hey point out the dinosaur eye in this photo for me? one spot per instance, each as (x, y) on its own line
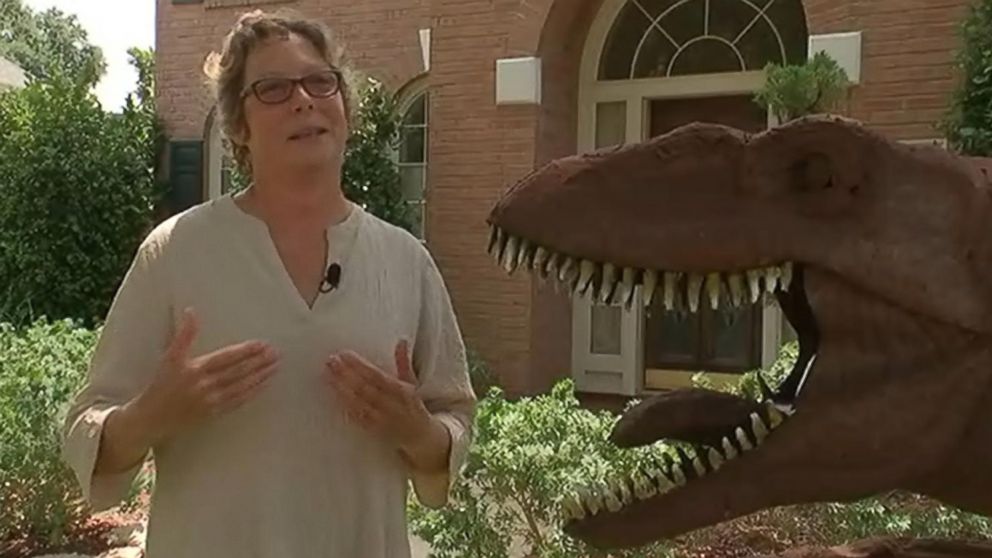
(812, 173)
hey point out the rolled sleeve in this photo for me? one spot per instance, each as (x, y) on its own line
(82, 445)
(445, 386)
(126, 355)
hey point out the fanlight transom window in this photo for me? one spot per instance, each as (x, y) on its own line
(665, 38)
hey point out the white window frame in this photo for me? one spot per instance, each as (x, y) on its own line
(217, 159)
(406, 96)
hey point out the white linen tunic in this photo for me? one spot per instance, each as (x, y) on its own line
(285, 475)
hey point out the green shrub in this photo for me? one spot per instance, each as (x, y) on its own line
(795, 90)
(41, 368)
(77, 193)
(527, 455)
(968, 123)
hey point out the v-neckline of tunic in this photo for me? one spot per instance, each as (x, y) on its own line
(340, 238)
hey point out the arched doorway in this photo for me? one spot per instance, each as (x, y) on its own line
(647, 67)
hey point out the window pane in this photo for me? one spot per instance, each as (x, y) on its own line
(686, 21)
(733, 335)
(611, 123)
(605, 330)
(618, 51)
(707, 57)
(654, 56)
(412, 182)
(417, 112)
(412, 145)
(790, 21)
(671, 339)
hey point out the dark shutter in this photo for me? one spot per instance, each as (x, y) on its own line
(185, 174)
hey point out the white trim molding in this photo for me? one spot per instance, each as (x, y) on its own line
(425, 48)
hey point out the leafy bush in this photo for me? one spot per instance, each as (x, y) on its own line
(795, 90)
(77, 192)
(968, 124)
(370, 176)
(41, 368)
(527, 456)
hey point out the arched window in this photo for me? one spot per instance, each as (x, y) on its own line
(666, 38)
(412, 156)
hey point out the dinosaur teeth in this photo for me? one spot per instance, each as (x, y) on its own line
(628, 290)
(775, 416)
(728, 448)
(786, 276)
(671, 279)
(615, 283)
(758, 427)
(510, 255)
(586, 271)
(715, 459)
(572, 508)
(611, 499)
(754, 282)
(736, 283)
(713, 289)
(694, 287)
(540, 260)
(650, 284)
(493, 239)
(609, 282)
(643, 488)
(743, 440)
(772, 275)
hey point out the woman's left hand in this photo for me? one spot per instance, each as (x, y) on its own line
(380, 402)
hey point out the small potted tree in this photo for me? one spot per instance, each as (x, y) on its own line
(795, 90)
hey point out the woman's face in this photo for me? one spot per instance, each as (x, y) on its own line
(304, 130)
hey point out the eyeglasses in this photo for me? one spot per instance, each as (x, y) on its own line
(272, 91)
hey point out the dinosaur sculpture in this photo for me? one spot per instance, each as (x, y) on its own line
(880, 256)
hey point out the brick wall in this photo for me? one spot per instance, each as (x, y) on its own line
(380, 37)
(477, 148)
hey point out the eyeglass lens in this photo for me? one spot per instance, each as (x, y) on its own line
(275, 90)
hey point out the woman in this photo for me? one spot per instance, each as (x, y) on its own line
(290, 360)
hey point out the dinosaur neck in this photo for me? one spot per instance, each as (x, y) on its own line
(963, 480)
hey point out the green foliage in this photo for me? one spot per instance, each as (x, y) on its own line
(48, 44)
(77, 192)
(968, 124)
(795, 90)
(41, 367)
(370, 176)
(902, 515)
(527, 455)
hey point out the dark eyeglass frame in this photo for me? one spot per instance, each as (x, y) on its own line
(293, 84)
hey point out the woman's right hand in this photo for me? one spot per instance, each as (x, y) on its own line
(187, 390)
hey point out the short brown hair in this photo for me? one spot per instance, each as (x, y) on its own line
(226, 70)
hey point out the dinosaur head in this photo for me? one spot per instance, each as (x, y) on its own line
(879, 256)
